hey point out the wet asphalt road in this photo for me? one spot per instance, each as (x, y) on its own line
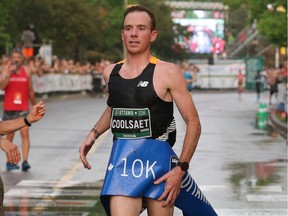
(241, 170)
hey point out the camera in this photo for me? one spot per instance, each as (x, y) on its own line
(16, 63)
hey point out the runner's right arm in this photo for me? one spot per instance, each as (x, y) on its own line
(102, 125)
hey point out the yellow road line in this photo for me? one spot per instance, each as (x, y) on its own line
(71, 172)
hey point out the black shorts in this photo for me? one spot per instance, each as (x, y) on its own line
(12, 114)
(273, 89)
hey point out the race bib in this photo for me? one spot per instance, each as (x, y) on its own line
(17, 98)
(127, 123)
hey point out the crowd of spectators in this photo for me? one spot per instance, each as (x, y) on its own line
(39, 67)
(191, 74)
(275, 80)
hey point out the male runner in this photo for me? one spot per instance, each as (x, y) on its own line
(142, 91)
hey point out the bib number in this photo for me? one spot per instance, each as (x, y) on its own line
(131, 123)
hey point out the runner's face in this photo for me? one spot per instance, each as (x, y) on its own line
(137, 34)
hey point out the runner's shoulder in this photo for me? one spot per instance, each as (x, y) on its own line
(168, 68)
(107, 71)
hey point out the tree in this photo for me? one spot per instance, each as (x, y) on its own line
(164, 47)
(271, 24)
(83, 29)
(5, 39)
(69, 24)
(112, 20)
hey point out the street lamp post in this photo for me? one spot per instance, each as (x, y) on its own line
(277, 58)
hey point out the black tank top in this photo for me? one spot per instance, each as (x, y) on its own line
(137, 95)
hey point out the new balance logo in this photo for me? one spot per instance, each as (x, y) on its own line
(143, 84)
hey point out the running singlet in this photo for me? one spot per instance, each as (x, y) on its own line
(16, 92)
(137, 111)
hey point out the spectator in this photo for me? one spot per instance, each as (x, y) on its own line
(258, 83)
(16, 81)
(37, 41)
(28, 38)
(11, 150)
(188, 75)
(195, 75)
(273, 84)
(230, 38)
(240, 78)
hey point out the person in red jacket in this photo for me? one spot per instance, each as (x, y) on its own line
(16, 81)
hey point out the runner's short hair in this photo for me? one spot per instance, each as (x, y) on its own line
(140, 8)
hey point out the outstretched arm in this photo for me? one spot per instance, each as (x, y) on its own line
(37, 112)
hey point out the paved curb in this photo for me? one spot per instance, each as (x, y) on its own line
(278, 125)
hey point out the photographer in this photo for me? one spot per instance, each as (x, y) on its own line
(16, 81)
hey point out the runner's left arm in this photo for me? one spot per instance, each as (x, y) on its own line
(187, 109)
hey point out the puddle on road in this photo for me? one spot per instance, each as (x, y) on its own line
(53, 198)
(259, 176)
(50, 198)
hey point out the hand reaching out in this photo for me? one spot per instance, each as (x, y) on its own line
(37, 112)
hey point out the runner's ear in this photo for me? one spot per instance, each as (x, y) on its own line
(153, 36)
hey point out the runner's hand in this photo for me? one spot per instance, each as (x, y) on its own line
(173, 181)
(85, 148)
(11, 150)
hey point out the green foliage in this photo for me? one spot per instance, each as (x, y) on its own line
(164, 46)
(90, 29)
(234, 4)
(5, 6)
(271, 24)
(112, 43)
(81, 29)
(274, 27)
(68, 24)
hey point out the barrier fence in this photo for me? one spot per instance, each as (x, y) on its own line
(61, 82)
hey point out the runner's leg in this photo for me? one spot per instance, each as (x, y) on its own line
(155, 208)
(128, 206)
